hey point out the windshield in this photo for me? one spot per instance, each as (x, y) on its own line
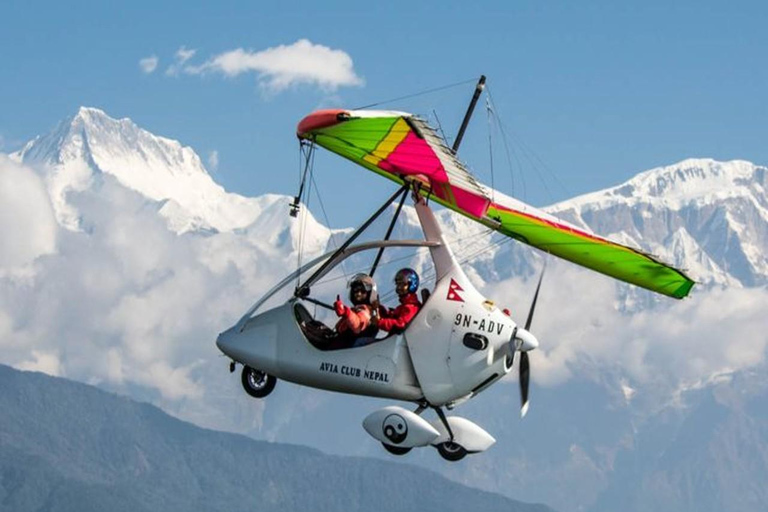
(323, 278)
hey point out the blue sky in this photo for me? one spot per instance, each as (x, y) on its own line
(596, 91)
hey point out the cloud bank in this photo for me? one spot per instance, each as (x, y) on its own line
(125, 302)
(27, 224)
(128, 304)
(675, 346)
(285, 66)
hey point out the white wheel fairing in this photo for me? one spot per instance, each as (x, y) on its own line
(395, 426)
(465, 433)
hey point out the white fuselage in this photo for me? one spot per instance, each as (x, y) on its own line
(457, 344)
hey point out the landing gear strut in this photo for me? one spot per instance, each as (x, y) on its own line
(449, 450)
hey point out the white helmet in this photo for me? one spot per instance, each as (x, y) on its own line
(366, 283)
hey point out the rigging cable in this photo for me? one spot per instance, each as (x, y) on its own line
(533, 158)
(505, 140)
(331, 238)
(430, 274)
(440, 127)
(296, 204)
(421, 93)
(460, 255)
(309, 161)
(490, 146)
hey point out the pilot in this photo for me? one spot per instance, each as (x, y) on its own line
(396, 320)
(358, 322)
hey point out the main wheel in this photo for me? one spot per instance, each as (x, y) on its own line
(395, 450)
(257, 383)
(451, 451)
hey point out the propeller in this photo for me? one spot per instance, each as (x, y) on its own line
(524, 341)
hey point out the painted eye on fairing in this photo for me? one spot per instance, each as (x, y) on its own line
(395, 428)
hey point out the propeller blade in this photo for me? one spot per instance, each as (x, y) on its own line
(525, 375)
(535, 298)
(525, 366)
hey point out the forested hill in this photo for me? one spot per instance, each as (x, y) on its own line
(66, 446)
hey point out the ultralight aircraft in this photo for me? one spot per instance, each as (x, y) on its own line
(460, 342)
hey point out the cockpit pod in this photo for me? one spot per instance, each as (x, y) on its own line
(458, 344)
(453, 348)
(286, 341)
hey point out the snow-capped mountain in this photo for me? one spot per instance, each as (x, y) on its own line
(161, 169)
(708, 217)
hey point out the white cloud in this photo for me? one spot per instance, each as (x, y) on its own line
(672, 346)
(213, 160)
(46, 362)
(27, 225)
(6, 327)
(149, 64)
(182, 55)
(127, 303)
(285, 66)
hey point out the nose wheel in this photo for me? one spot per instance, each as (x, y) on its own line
(451, 451)
(257, 383)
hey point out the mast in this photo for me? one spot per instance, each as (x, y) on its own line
(478, 89)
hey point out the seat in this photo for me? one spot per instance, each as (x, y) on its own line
(323, 337)
(317, 333)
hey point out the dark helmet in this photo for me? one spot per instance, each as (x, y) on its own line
(408, 276)
(367, 284)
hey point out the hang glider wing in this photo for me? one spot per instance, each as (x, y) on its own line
(403, 147)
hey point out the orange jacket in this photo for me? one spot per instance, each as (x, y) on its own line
(356, 319)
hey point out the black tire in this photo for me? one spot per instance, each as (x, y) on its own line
(395, 450)
(451, 451)
(257, 383)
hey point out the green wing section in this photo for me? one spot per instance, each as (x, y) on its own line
(551, 235)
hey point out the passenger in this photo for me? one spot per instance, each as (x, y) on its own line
(356, 322)
(396, 320)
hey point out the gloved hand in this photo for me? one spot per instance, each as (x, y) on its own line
(375, 316)
(339, 306)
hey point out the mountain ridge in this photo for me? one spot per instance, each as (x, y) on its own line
(67, 446)
(161, 169)
(711, 215)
